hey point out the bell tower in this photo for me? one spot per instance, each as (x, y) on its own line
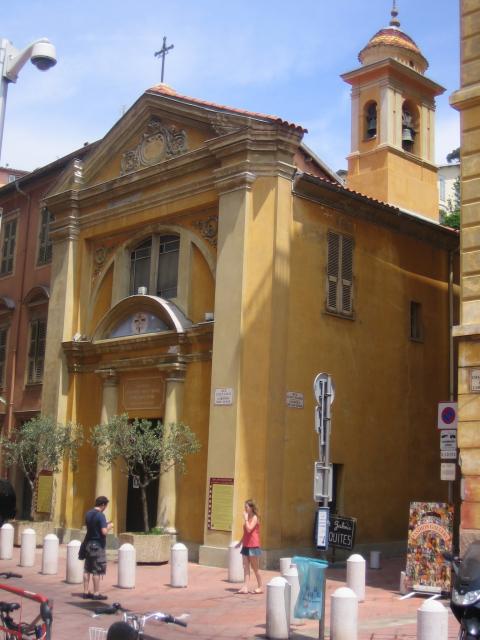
(392, 155)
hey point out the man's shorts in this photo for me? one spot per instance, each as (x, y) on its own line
(95, 559)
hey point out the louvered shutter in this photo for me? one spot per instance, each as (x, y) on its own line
(333, 265)
(347, 275)
(36, 354)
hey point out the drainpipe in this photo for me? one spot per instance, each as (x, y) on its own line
(451, 362)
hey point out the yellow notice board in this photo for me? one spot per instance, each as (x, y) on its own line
(220, 504)
(44, 493)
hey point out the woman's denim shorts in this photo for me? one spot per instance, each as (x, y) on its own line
(251, 551)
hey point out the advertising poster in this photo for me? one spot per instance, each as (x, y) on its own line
(430, 531)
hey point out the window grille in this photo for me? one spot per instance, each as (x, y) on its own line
(154, 265)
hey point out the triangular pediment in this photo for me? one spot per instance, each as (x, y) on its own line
(157, 128)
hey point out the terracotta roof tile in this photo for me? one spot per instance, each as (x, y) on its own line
(165, 90)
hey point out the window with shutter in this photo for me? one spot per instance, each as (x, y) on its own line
(36, 354)
(8, 247)
(339, 273)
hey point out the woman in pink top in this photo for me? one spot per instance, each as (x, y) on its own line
(250, 542)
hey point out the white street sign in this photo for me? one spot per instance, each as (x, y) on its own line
(448, 471)
(447, 415)
(448, 455)
(448, 440)
(318, 385)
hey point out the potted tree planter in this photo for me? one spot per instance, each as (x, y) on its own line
(146, 450)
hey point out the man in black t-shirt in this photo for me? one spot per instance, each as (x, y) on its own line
(95, 542)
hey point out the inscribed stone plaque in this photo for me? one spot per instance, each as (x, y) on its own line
(143, 393)
(220, 504)
(44, 493)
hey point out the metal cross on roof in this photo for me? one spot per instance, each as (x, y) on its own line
(162, 53)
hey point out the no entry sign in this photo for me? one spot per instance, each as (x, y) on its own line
(447, 415)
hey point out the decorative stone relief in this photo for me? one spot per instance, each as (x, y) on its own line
(159, 142)
(222, 124)
(208, 229)
(100, 255)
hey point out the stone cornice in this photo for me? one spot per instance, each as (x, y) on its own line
(66, 225)
(230, 179)
(466, 97)
(397, 151)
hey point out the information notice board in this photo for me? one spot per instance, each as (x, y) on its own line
(430, 532)
(220, 504)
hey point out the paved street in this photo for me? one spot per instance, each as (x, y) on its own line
(217, 612)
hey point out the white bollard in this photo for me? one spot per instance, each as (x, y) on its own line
(343, 614)
(27, 548)
(432, 621)
(235, 563)
(356, 575)
(179, 565)
(6, 542)
(403, 589)
(291, 576)
(127, 563)
(50, 555)
(278, 609)
(375, 559)
(74, 565)
(285, 565)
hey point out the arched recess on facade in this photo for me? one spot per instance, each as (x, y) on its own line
(119, 262)
(39, 294)
(140, 315)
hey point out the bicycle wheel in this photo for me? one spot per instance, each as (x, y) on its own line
(121, 631)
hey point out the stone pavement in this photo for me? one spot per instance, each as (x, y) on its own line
(217, 611)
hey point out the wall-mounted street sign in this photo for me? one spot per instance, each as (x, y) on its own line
(341, 533)
(448, 455)
(321, 528)
(447, 415)
(448, 440)
(223, 396)
(448, 471)
(295, 400)
(474, 380)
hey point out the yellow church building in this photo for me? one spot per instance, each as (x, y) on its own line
(206, 266)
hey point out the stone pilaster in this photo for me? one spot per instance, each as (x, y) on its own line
(104, 482)
(167, 491)
(467, 101)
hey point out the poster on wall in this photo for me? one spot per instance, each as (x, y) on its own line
(430, 532)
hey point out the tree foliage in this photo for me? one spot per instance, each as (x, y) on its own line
(40, 444)
(454, 156)
(146, 449)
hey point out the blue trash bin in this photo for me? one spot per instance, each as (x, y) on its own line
(311, 578)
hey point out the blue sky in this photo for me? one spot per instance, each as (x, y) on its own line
(281, 58)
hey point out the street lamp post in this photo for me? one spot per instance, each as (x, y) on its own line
(41, 53)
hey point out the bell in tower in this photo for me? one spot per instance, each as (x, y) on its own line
(408, 131)
(372, 121)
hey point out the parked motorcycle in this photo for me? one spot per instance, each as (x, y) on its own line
(465, 596)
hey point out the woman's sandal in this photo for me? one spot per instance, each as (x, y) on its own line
(257, 590)
(242, 590)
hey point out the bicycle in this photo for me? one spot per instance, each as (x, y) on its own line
(133, 624)
(39, 628)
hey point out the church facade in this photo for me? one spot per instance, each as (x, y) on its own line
(206, 267)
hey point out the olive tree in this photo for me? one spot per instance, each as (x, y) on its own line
(41, 444)
(144, 449)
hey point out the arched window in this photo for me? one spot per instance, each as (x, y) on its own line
(370, 120)
(410, 127)
(154, 265)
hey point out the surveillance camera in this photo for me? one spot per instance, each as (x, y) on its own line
(43, 55)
